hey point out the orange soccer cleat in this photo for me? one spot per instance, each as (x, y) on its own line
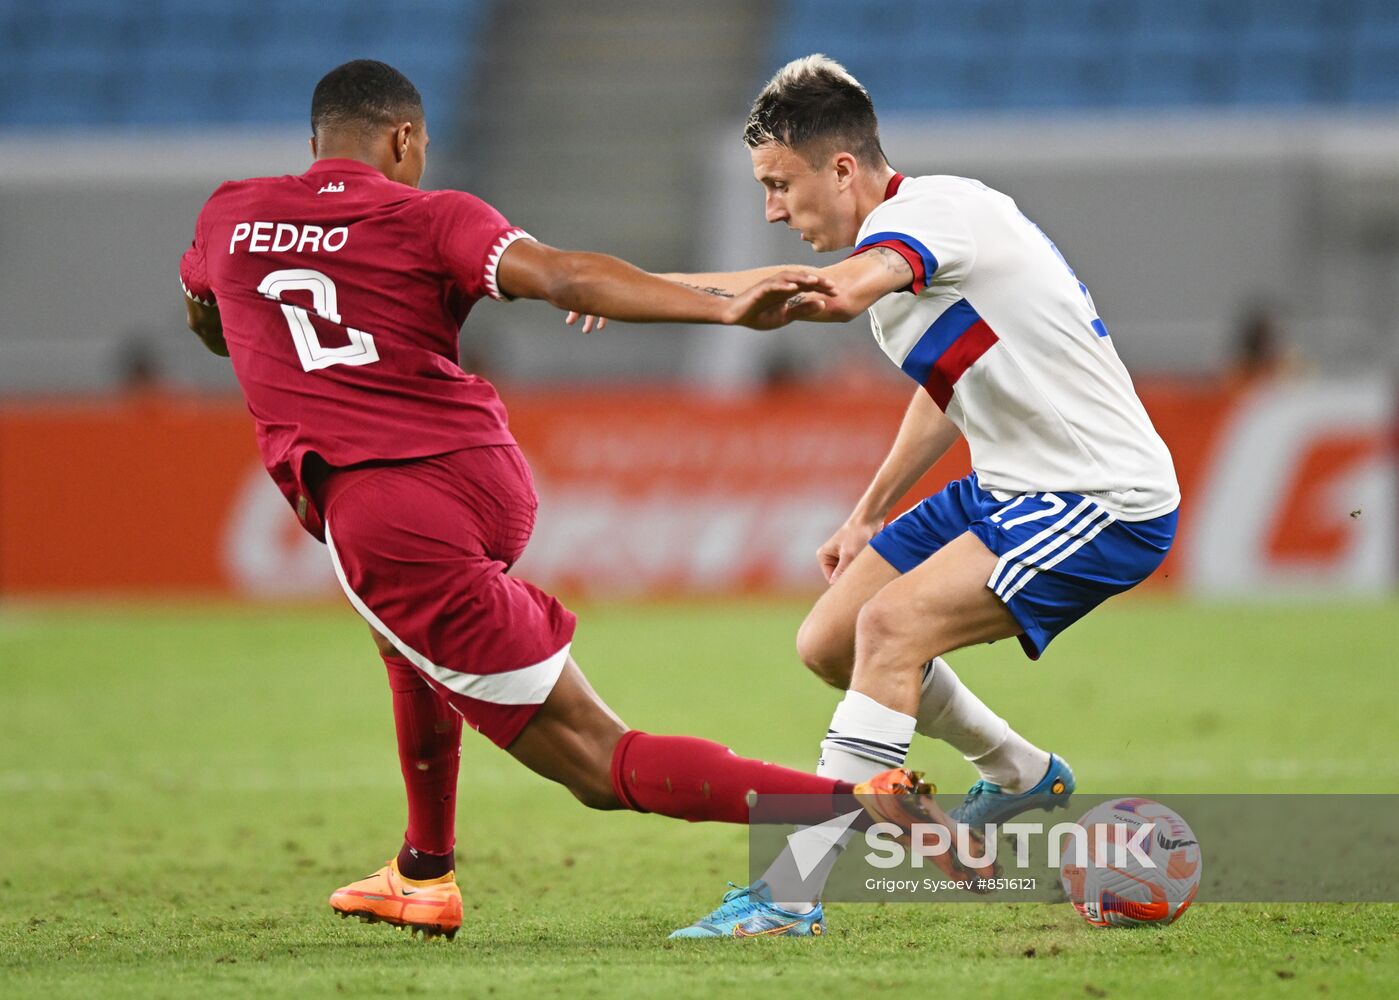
(432, 907)
(902, 797)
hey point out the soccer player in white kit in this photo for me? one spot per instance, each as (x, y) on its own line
(1073, 494)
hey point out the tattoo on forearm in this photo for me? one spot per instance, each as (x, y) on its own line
(722, 293)
(893, 262)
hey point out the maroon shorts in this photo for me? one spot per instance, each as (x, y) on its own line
(422, 549)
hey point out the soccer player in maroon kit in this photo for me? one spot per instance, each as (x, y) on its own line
(338, 295)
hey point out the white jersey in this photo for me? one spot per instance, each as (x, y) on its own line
(1006, 339)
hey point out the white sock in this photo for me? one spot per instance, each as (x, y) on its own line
(864, 739)
(950, 712)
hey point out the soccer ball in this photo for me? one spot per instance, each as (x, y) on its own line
(1115, 889)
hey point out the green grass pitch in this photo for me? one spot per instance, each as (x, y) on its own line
(180, 788)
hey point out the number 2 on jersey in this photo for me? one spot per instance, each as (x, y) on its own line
(359, 351)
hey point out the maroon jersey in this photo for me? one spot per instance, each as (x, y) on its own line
(342, 294)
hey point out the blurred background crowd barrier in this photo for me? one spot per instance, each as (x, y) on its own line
(1223, 174)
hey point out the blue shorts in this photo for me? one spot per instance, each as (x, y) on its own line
(1061, 554)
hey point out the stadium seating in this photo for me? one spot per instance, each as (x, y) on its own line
(202, 62)
(970, 55)
(190, 62)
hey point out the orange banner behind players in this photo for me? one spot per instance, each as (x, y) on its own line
(644, 492)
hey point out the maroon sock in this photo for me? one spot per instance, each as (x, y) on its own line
(420, 867)
(429, 753)
(696, 779)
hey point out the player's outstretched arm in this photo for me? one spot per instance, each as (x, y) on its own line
(859, 282)
(207, 325)
(596, 284)
(923, 438)
(862, 281)
(725, 284)
(732, 282)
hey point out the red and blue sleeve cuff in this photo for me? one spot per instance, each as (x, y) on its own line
(919, 258)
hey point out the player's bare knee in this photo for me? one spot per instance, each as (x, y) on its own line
(824, 654)
(878, 622)
(889, 632)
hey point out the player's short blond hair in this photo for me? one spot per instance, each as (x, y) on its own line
(814, 105)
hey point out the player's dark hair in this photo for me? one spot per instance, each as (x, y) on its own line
(814, 106)
(364, 94)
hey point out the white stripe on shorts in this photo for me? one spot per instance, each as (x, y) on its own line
(1033, 559)
(995, 582)
(1106, 519)
(526, 686)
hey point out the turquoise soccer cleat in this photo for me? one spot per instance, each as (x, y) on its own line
(748, 911)
(986, 803)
